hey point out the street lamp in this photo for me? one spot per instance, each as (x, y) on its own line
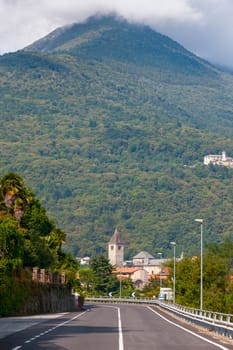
(120, 286)
(120, 283)
(173, 244)
(160, 279)
(201, 277)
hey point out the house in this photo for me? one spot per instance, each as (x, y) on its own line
(138, 275)
(163, 274)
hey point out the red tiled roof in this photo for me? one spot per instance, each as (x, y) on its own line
(126, 270)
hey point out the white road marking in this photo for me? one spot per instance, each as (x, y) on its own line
(49, 330)
(187, 330)
(121, 344)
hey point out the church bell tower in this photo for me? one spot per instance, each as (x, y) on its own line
(116, 249)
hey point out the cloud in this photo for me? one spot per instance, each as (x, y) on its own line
(210, 37)
(202, 26)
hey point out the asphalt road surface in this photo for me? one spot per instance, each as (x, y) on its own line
(108, 327)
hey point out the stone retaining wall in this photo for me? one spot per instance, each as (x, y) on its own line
(48, 298)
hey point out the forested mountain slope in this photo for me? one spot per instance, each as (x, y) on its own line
(108, 123)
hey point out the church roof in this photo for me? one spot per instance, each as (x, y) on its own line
(116, 238)
(127, 270)
(143, 255)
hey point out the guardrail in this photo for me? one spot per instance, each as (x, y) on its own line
(214, 317)
(122, 300)
(214, 321)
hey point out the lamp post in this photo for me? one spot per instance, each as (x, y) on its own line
(173, 244)
(120, 286)
(160, 279)
(120, 283)
(201, 277)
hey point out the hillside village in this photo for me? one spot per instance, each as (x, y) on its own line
(141, 269)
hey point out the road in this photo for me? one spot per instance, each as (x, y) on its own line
(110, 327)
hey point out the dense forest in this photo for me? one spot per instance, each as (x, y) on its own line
(108, 123)
(28, 238)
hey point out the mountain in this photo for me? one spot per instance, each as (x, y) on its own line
(108, 38)
(147, 55)
(108, 122)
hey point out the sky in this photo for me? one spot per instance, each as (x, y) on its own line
(202, 26)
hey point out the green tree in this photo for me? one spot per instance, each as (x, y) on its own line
(11, 246)
(11, 260)
(86, 276)
(103, 279)
(127, 287)
(41, 241)
(55, 240)
(187, 281)
(37, 252)
(14, 193)
(35, 219)
(27, 240)
(217, 282)
(68, 264)
(152, 288)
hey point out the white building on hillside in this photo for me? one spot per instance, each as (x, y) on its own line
(219, 159)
